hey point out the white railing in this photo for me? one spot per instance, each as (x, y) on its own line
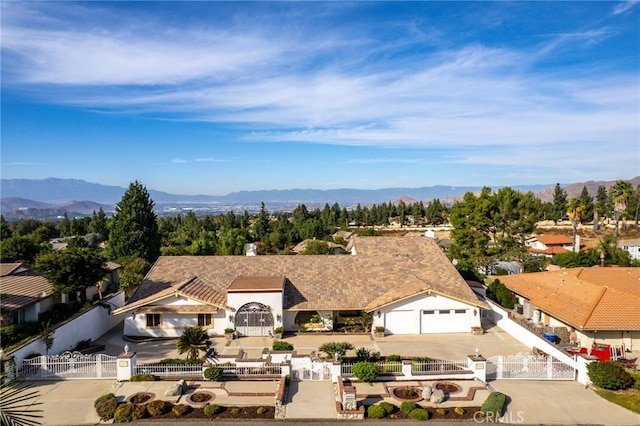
(254, 371)
(169, 370)
(70, 365)
(526, 366)
(438, 366)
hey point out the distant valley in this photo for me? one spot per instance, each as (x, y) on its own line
(53, 197)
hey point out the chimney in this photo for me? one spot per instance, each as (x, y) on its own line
(577, 247)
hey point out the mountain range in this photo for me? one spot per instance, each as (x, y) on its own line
(43, 198)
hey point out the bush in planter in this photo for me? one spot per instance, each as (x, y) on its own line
(609, 375)
(363, 354)
(407, 407)
(213, 373)
(366, 371)
(459, 411)
(103, 398)
(376, 412)
(419, 414)
(212, 409)
(388, 407)
(106, 408)
(281, 345)
(129, 412)
(229, 330)
(278, 330)
(157, 407)
(494, 404)
(180, 410)
(143, 378)
(394, 358)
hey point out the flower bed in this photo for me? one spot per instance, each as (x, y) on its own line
(407, 393)
(200, 398)
(140, 398)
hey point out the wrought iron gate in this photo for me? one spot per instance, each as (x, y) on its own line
(70, 365)
(526, 366)
(254, 319)
(308, 369)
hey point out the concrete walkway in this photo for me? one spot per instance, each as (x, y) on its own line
(560, 403)
(310, 400)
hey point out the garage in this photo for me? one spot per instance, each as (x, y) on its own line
(400, 322)
(443, 321)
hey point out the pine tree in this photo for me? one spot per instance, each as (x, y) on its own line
(559, 203)
(134, 229)
(98, 224)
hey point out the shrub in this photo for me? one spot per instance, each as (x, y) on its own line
(103, 398)
(143, 378)
(157, 407)
(379, 329)
(388, 407)
(106, 408)
(139, 412)
(178, 361)
(420, 359)
(335, 350)
(459, 411)
(419, 414)
(281, 345)
(407, 407)
(494, 404)
(33, 355)
(441, 411)
(212, 409)
(636, 379)
(374, 356)
(366, 371)
(228, 330)
(261, 410)
(609, 375)
(234, 410)
(123, 413)
(394, 358)
(278, 330)
(180, 410)
(363, 354)
(376, 412)
(213, 373)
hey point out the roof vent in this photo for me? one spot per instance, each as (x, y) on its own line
(42, 294)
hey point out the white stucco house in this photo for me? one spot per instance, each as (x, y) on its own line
(406, 284)
(632, 247)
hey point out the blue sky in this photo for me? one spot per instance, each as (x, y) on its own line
(215, 97)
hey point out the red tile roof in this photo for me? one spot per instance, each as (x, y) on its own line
(585, 298)
(554, 239)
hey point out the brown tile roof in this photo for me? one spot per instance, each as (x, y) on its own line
(385, 269)
(585, 298)
(22, 290)
(177, 309)
(554, 239)
(244, 283)
(549, 250)
(8, 268)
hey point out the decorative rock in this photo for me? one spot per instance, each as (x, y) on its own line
(177, 389)
(427, 391)
(437, 396)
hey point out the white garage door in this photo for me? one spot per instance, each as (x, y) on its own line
(444, 321)
(400, 322)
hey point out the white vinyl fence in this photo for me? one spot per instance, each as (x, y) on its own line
(70, 365)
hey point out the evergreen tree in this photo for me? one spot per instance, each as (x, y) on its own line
(262, 226)
(134, 229)
(559, 203)
(586, 201)
(65, 226)
(98, 224)
(601, 205)
(5, 231)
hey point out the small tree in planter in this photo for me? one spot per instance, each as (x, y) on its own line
(228, 333)
(336, 350)
(192, 341)
(366, 371)
(278, 332)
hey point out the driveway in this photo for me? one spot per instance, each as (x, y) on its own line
(560, 403)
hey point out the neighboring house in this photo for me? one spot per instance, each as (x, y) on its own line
(551, 244)
(24, 294)
(407, 284)
(600, 304)
(631, 246)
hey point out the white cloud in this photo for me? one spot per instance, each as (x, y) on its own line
(207, 160)
(624, 6)
(179, 161)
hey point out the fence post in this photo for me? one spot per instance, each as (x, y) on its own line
(286, 369)
(126, 366)
(406, 368)
(583, 360)
(336, 371)
(478, 365)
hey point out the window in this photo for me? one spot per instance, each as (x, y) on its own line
(428, 312)
(460, 311)
(204, 320)
(153, 320)
(441, 312)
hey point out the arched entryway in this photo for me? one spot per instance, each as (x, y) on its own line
(254, 319)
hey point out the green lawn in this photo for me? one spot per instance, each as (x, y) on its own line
(630, 400)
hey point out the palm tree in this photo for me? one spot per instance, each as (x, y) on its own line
(637, 203)
(192, 341)
(621, 191)
(17, 403)
(575, 210)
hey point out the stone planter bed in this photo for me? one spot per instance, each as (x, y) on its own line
(449, 414)
(141, 398)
